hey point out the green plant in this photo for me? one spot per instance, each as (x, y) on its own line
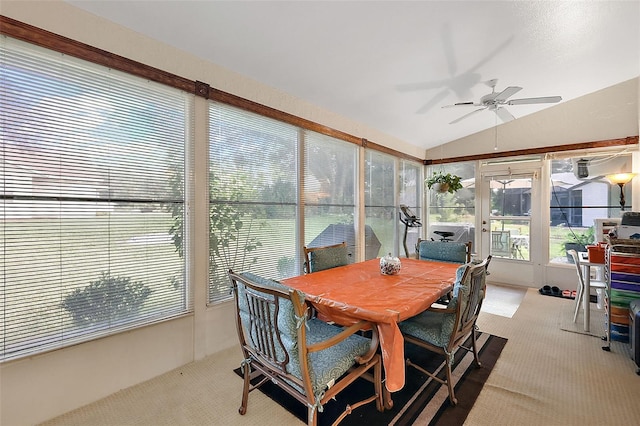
(450, 181)
(583, 238)
(106, 299)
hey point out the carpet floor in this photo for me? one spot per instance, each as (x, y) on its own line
(422, 398)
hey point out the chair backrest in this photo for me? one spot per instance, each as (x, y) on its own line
(576, 261)
(326, 257)
(444, 251)
(468, 294)
(270, 318)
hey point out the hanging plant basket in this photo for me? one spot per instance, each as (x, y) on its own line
(444, 182)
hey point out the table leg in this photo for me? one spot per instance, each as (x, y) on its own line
(586, 297)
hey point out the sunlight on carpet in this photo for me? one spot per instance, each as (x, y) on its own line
(503, 300)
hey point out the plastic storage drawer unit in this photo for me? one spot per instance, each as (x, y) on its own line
(634, 331)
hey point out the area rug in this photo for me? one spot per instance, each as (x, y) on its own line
(422, 401)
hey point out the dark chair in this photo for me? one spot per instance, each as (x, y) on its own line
(325, 257)
(444, 251)
(445, 330)
(306, 357)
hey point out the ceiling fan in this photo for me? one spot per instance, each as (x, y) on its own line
(494, 101)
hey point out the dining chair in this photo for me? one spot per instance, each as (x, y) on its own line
(444, 251)
(444, 330)
(325, 257)
(306, 357)
(581, 283)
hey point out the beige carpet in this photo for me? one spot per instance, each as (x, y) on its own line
(545, 376)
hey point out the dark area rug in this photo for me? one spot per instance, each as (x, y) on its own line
(421, 397)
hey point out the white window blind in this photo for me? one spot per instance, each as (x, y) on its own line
(329, 191)
(253, 197)
(93, 200)
(380, 194)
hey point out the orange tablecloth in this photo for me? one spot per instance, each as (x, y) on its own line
(359, 291)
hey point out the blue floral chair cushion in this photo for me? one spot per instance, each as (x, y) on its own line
(325, 366)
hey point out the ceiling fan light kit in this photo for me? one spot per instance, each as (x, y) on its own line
(495, 102)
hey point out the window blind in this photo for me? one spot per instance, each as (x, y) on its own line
(93, 200)
(330, 185)
(380, 206)
(252, 196)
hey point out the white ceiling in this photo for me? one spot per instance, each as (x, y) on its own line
(392, 65)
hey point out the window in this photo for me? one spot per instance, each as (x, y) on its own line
(329, 191)
(93, 172)
(453, 212)
(410, 195)
(580, 195)
(252, 197)
(380, 207)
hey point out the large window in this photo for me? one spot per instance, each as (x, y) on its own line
(453, 212)
(580, 195)
(329, 191)
(380, 206)
(410, 195)
(252, 195)
(93, 172)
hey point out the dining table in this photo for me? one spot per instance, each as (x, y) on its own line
(359, 291)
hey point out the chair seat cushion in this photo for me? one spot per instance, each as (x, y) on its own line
(432, 327)
(329, 364)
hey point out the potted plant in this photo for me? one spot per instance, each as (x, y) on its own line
(579, 242)
(444, 182)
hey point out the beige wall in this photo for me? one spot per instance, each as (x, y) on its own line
(40, 387)
(610, 113)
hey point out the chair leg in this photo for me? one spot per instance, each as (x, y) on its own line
(245, 389)
(578, 303)
(452, 396)
(312, 416)
(377, 380)
(475, 346)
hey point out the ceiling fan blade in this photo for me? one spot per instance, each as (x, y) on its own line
(504, 114)
(467, 115)
(542, 100)
(461, 104)
(507, 93)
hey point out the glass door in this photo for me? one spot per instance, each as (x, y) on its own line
(509, 224)
(509, 201)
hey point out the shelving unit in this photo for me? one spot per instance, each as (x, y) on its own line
(622, 271)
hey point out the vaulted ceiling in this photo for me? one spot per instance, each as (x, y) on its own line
(393, 65)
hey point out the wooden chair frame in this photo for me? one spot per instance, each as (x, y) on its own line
(263, 349)
(464, 325)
